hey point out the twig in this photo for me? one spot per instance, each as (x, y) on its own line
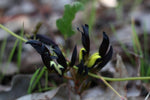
(106, 83)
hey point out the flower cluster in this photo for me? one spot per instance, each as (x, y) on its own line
(55, 62)
(54, 59)
(97, 60)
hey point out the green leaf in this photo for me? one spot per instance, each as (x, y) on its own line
(12, 51)
(32, 80)
(11, 54)
(36, 78)
(64, 24)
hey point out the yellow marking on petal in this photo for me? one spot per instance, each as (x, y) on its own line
(57, 67)
(81, 54)
(52, 63)
(93, 59)
(60, 66)
(59, 71)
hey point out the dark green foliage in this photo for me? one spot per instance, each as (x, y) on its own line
(64, 24)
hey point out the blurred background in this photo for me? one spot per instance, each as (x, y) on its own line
(126, 22)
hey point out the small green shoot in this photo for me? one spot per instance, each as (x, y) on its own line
(92, 16)
(39, 87)
(123, 46)
(35, 79)
(119, 10)
(143, 54)
(135, 40)
(12, 51)
(145, 66)
(64, 24)
(2, 49)
(10, 56)
(37, 28)
(20, 49)
(32, 80)
(46, 79)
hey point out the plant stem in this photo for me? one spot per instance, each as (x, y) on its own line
(12, 33)
(106, 83)
(117, 79)
(120, 79)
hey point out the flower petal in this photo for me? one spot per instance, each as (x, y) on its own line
(44, 39)
(106, 58)
(93, 60)
(56, 67)
(61, 59)
(104, 45)
(74, 56)
(80, 67)
(37, 45)
(42, 50)
(85, 37)
(82, 54)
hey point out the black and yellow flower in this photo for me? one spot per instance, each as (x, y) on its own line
(56, 61)
(43, 51)
(97, 60)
